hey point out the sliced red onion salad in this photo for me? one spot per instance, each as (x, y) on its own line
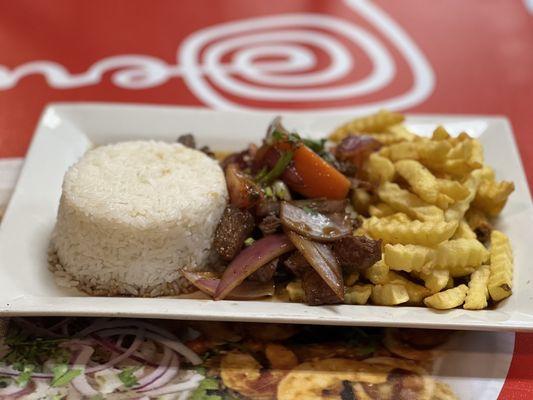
(250, 260)
(111, 335)
(245, 291)
(320, 257)
(311, 224)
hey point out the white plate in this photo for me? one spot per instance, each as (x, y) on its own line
(65, 132)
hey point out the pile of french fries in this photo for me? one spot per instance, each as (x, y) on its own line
(431, 196)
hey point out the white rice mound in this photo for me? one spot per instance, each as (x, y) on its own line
(132, 215)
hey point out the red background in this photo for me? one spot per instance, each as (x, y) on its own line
(481, 53)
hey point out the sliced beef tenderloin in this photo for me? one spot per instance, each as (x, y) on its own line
(232, 230)
(357, 253)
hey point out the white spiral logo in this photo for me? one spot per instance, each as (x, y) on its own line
(304, 61)
(229, 64)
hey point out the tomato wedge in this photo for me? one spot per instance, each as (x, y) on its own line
(318, 178)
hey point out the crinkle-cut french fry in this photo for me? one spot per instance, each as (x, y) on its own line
(416, 293)
(380, 210)
(457, 211)
(386, 138)
(492, 196)
(486, 173)
(358, 294)
(453, 189)
(431, 152)
(460, 255)
(402, 151)
(401, 131)
(422, 182)
(478, 292)
(409, 203)
(436, 279)
(464, 157)
(389, 294)
(397, 217)
(440, 133)
(378, 122)
(448, 299)
(413, 232)
(379, 168)
(501, 266)
(296, 291)
(361, 200)
(407, 257)
(464, 231)
(476, 156)
(377, 273)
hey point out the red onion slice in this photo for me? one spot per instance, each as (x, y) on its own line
(139, 339)
(80, 382)
(322, 260)
(173, 344)
(123, 323)
(190, 384)
(169, 372)
(13, 390)
(250, 260)
(158, 372)
(245, 291)
(313, 225)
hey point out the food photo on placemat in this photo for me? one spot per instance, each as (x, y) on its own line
(242, 200)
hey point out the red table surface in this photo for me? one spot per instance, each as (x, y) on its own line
(479, 54)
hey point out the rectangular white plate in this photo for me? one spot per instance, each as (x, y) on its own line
(65, 132)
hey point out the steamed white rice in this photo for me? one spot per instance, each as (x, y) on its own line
(132, 215)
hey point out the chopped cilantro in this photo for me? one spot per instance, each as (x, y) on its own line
(27, 351)
(269, 192)
(201, 370)
(316, 145)
(277, 135)
(278, 169)
(25, 376)
(249, 241)
(58, 371)
(127, 377)
(261, 174)
(205, 390)
(62, 375)
(294, 138)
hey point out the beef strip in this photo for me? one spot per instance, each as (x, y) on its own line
(270, 224)
(187, 140)
(316, 291)
(357, 253)
(266, 272)
(232, 230)
(297, 264)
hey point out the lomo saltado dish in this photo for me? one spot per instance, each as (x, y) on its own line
(372, 214)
